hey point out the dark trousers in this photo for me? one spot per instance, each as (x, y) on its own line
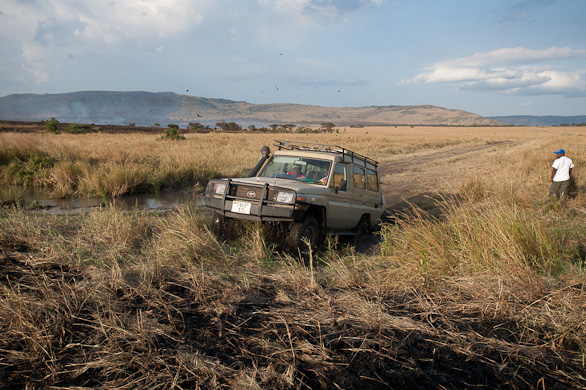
(560, 187)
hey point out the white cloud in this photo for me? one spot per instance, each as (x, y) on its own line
(35, 61)
(38, 36)
(140, 18)
(517, 70)
(45, 32)
(513, 56)
(560, 81)
(107, 21)
(132, 19)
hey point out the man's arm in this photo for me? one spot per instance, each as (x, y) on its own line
(553, 171)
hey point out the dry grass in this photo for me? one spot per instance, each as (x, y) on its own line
(489, 295)
(118, 164)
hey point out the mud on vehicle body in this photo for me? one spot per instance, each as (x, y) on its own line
(304, 190)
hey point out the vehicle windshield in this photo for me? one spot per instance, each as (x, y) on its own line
(298, 168)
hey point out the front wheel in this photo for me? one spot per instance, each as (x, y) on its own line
(303, 236)
(224, 228)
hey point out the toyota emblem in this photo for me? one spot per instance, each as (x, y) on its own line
(251, 194)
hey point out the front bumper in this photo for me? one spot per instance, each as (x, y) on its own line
(252, 202)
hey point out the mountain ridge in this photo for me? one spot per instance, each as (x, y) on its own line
(147, 108)
(542, 120)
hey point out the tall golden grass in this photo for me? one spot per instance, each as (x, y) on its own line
(111, 165)
(116, 165)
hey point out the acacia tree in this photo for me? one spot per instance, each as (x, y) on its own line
(229, 126)
(232, 126)
(328, 126)
(196, 126)
(288, 127)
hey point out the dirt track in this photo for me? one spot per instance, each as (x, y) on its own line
(414, 179)
(418, 180)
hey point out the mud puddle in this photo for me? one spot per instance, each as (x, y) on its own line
(159, 202)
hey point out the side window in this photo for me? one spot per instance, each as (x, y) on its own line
(358, 177)
(371, 180)
(339, 176)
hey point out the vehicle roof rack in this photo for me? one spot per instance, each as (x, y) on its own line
(296, 145)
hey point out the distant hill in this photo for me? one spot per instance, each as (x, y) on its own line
(118, 108)
(548, 120)
(146, 109)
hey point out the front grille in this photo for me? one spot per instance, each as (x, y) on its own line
(248, 192)
(252, 193)
(273, 194)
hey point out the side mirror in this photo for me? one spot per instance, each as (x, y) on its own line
(342, 186)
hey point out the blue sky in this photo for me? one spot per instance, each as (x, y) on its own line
(489, 57)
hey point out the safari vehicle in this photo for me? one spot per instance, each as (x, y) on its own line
(306, 190)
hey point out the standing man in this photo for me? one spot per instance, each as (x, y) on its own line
(560, 175)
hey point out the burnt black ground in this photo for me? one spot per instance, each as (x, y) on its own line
(311, 341)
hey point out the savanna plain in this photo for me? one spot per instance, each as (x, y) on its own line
(474, 279)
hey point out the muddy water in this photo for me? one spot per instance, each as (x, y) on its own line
(160, 202)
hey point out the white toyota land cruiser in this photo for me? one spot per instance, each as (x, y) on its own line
(306, 189)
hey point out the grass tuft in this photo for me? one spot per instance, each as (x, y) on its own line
(186, 239)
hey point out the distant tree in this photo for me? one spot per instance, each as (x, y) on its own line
(157, 124)
(52, 125)
(327, 126)
(307, 130)
(274, 126)
(252, 128)
(196, 127)
(232, 126)
(172, 133)
(80, 128)
(229, 126)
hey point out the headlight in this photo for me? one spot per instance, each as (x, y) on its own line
(216, 187)
(220, 188)
(285, 197)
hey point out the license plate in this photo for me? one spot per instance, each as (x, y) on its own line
(241, 207)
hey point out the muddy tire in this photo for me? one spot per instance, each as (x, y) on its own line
(224, 228)
(308, 229)
(362, 228)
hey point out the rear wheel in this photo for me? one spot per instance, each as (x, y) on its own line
(363, 227)
(303, 236)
